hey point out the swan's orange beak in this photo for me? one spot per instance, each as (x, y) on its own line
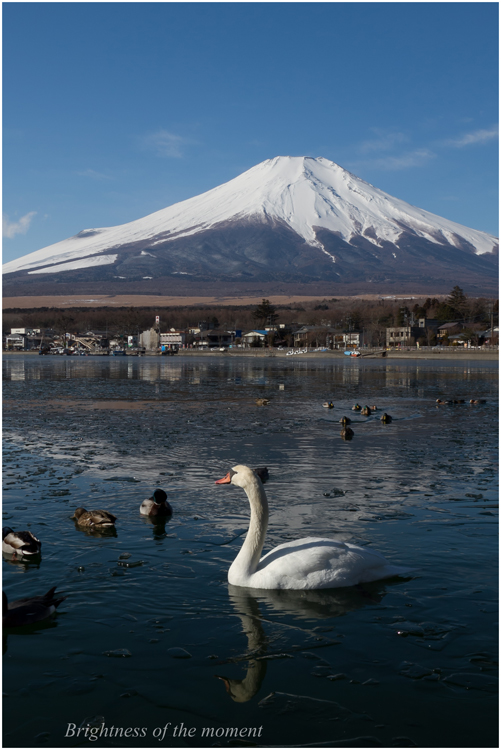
(224, 480)
(226, 682)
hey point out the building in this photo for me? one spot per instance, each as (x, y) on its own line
(351, 340)
(448, 329)
(214, 339)
(310, 336)
(172, 340)
(23, 342)
(490, 336)
(133, 341)
(26, 331)
(325, 336)
(257, 337)
(400, 335)
(149, 340)
(409, 335)
(14, 342)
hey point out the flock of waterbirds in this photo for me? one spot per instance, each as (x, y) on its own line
(310, 563)
(24, 546)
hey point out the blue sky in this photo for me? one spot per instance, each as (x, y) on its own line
(115, 110)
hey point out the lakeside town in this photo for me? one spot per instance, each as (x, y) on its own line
(455, 323)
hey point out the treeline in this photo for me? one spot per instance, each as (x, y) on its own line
(350, 314)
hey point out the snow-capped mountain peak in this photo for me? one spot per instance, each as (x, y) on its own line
(313, 200)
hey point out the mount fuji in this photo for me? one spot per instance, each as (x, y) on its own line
(288, 225)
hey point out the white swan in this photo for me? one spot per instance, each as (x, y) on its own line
(310, 563)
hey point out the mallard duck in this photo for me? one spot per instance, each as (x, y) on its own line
(20, 543)
(262, 401)
(96, 519)
(157, 505)
(263, 473)
(373, 408)
(477, 401)
(345, 420)
(366, 412)
(347, 433)
(385, 418)
(357, 407)
(30, 610)
(439, 401)
(328, 405)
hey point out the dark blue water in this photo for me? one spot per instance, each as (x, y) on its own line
(151, 638)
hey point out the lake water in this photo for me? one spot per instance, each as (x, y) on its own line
(150, 625)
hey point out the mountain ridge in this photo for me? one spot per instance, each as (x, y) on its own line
(298, 220)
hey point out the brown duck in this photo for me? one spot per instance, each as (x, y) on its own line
(95, 519)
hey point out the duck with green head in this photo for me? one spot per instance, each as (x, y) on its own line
(156, 505)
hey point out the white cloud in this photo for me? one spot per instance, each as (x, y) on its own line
(95, 175)
(383, 142)
(415, 158)
(478, 136)
(165, 143)
(11, 228)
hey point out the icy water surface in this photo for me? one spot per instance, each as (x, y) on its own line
(151, 638)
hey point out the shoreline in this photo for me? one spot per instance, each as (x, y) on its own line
(474, 355)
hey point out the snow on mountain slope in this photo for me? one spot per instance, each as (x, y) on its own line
(305, 193)
(99, 260)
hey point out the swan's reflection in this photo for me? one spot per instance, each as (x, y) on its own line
(247, 609)
(304, 605)
(321, 603)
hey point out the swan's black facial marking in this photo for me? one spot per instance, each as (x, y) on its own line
(232, 473)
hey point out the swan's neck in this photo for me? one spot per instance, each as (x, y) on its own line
(247, 560)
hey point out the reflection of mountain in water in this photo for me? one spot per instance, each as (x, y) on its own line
(303, 605)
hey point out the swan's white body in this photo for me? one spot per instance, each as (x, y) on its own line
(310, 563)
